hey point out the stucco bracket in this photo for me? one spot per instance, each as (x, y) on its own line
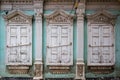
(38, 70)
(80, 70)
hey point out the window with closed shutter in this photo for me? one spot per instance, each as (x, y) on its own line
(19, 45)
(59, 45)
(100, 44)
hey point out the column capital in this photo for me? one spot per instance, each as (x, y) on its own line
(38, 6)
(81, 8)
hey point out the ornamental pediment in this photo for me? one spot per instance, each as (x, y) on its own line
(102, 17)
(59, 17)
(18, 17)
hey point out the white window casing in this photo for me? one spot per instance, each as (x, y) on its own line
(101, 39)
(18, 39)
(101, 44)
(59, 45)
(59, 39)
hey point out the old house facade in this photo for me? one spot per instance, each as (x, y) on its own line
(59, 39)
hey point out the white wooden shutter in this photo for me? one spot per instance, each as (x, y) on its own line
(52, 44)
(12, 42)
(19, 45)
(94, 44)
(101, 43)
(59, 45)
(66, 45)
(107, 44)
(25, 44)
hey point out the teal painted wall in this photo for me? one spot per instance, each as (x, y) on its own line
(3, 69)
(116, 72)
(4, 72)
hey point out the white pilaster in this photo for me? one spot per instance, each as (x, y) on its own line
(80, 37)
(38, 49)
(80, 71)
(38, 65)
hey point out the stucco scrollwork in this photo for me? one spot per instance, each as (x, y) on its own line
(102, 17)
(80, 70)
(37, 70)
(59, 17)
(17, 17)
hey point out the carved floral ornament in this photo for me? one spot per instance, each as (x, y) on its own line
(59, 17)
(102, 17)
(18, 17)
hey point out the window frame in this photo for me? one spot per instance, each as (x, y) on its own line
(111, 54)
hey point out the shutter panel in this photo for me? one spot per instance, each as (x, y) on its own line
(95, 55)
(59, 45)
(66, 44)
(94, 44)
(19, 45)
(95, 36)
(13, 38)
(107, 44)
(25, 44)
(12, 42)
(53, 43)
(106, 36)
(101, 46)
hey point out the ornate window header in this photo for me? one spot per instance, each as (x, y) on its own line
(59, 17)
(18, 17)
(101, 17)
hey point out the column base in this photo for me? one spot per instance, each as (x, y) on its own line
(38, 70)
(80, 70)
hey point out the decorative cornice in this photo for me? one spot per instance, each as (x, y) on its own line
(102, 17)
(59, 17)
(17, 2)
(58, 4)
(18, 17)
(103, 5)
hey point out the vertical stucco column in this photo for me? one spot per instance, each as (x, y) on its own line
(38, 65)
(80, 72)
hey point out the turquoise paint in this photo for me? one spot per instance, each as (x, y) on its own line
(116, 72)
(117, 45)
(3, 70)
(2, 44)
(47, 74)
